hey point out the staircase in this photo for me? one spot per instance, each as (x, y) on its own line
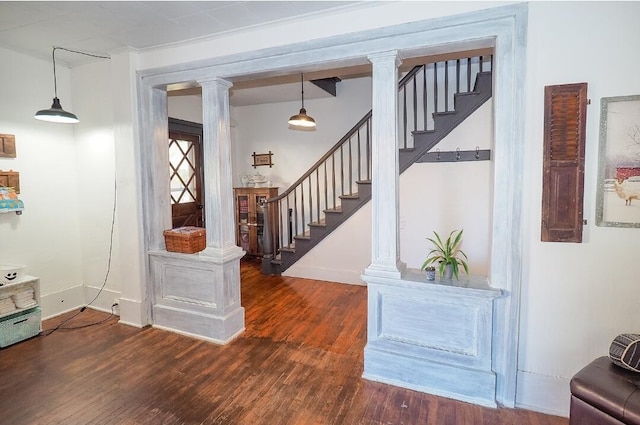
(433, 99)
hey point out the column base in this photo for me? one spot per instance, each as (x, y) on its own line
(391, 271)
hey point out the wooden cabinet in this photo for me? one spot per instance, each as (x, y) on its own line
(250, 217)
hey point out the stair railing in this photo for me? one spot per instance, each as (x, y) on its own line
(424, 90)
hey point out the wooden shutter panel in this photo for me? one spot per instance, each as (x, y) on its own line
(565, 114)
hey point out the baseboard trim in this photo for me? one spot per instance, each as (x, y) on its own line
(544, 394)
(349, 277)
(210, 327)
(133, 313)
(61, 302)
(421, 374)
(105, 298)
(200, 337)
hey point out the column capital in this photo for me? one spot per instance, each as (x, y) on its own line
(215, 81)
(380, 57)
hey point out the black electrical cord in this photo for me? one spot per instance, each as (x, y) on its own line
(106, 277)
(113, 221)
(62, 328)
(53, 54)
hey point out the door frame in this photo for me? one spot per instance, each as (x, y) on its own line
(192, 129)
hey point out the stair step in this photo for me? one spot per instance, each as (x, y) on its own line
(468, 93)
(418, 132)
(303, 237)
(321, 223)
(336, 210)
(443, 114)
(352, 196)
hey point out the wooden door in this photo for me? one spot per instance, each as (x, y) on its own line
(185, 159)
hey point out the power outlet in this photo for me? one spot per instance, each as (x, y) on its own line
(116, 306)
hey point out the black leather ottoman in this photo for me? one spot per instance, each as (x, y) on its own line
(603, 393)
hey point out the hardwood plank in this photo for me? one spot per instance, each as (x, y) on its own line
(299, 362)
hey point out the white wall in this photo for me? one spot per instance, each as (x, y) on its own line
(188, 108)
(264, 128)
(94, 147)
(576, 297)
(46, 237)
(450, 196)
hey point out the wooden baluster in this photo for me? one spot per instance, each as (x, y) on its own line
(446, 86)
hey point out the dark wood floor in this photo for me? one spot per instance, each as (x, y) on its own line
(299, 362)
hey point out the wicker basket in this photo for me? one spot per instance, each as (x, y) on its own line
(187, 240)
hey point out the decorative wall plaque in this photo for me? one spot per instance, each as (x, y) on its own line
(7, 146)
(262, 159)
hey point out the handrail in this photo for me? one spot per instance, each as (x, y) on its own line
(326, 156)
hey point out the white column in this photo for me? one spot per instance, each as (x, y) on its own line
(385, 246)
(216, 152)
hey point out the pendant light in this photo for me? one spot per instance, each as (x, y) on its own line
(302, 119)
(56, 113)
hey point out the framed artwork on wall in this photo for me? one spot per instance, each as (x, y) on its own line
(7, 146)
(618, 193)
(262, 159)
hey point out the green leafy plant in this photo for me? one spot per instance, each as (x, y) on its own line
(447, 252)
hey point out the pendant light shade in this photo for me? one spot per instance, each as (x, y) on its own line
(56, 113)
(302, 120)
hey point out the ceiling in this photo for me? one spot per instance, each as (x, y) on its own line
(102, 27)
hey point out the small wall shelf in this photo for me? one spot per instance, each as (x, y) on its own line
(9, 201)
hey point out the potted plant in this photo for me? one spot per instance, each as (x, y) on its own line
(446, 255)
(431, 272)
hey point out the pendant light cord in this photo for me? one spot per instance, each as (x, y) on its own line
(53, 54)
(302, 85)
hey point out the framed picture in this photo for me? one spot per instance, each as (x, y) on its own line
(618, 195)
(7, 146)
(262, 159)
